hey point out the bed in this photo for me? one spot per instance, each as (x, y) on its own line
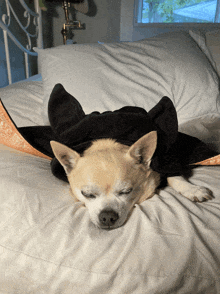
(169, 244)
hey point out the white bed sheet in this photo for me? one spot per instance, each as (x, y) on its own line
(24, 102)
(36, 78)
(49, 245)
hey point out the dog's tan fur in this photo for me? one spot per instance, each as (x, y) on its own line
(110, 178)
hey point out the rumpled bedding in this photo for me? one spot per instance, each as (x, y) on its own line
(49, 245)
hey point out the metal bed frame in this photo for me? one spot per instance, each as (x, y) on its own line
(32, 17)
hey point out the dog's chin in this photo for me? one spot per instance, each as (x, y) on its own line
(109, 228)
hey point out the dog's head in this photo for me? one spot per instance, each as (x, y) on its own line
(110, 178)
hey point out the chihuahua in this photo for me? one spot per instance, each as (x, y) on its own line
(110, 178)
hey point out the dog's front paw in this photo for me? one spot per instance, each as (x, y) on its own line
(199, 194)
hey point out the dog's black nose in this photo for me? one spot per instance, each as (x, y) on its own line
(108, 217)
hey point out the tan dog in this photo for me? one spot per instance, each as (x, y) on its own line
(110, 178)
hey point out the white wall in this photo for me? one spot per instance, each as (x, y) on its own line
(126, 21)
(103, 27)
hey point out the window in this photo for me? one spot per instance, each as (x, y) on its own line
(178, 11)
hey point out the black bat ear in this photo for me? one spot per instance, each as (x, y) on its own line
(164, 116)
(64, 110)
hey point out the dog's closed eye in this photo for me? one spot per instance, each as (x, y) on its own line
(125, 191)
(88, 195)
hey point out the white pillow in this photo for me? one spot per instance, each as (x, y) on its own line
(200, 39)
(24, 102)
(206, 128)
(109, 76)
(213, 43)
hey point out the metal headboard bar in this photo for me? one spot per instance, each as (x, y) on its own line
(5, 23)
(39, 23)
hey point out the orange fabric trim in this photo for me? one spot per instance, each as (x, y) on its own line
(210, 161)
(10, 136)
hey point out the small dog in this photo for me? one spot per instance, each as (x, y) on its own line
(110, 178)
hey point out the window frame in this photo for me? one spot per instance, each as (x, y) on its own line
(184, 25)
